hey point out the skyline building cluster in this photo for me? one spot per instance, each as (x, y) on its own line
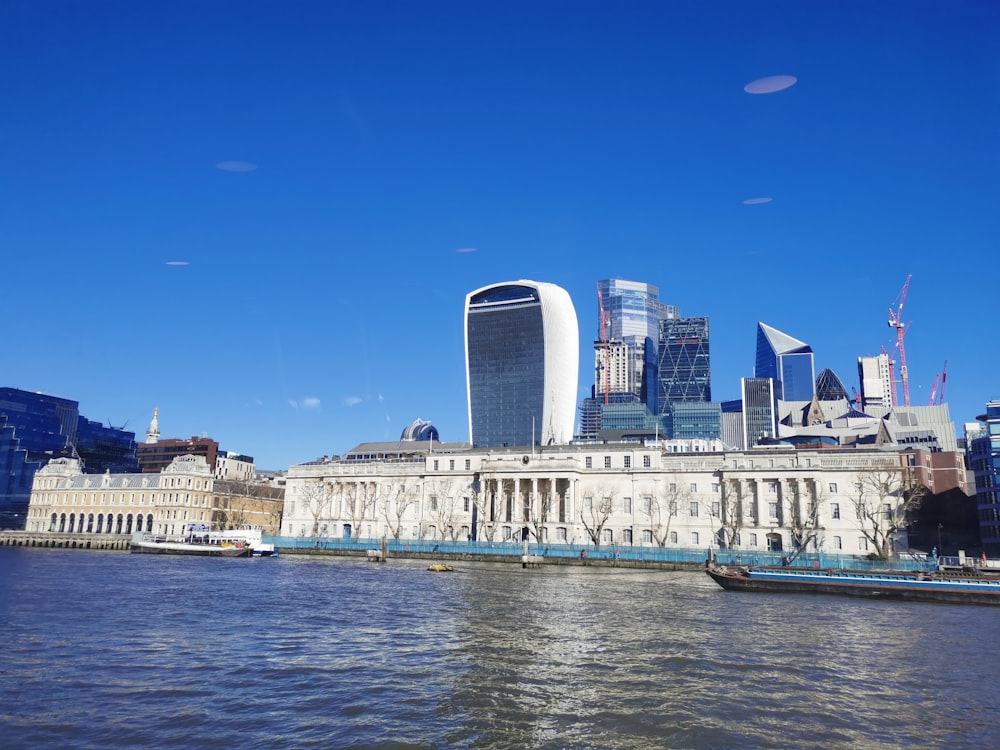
(37, 427)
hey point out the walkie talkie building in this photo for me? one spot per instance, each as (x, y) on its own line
(522, 356)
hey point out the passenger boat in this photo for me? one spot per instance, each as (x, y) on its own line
(199, 540)
(910, 586)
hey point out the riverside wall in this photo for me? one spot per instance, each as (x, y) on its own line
(116, 542)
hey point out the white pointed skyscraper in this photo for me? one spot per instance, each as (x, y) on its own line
(522, 356)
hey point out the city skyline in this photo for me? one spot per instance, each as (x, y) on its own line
(265, 223)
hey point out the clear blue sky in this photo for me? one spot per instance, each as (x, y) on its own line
(364, 145)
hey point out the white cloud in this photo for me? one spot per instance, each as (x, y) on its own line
(352, 401)
(311, 403)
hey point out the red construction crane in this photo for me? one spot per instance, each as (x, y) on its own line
(896, 321)
(605, 322)
(944, 379)
(937, 382)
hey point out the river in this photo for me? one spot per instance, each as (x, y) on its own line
(105, 649)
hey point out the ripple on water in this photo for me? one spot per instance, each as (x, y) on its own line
(110, 650)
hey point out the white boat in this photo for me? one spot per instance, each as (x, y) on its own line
(199, 539)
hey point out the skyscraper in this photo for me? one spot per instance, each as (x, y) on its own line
(786, 360)
(630, 312)
(522, 351)
(684, 366)
(875, 377)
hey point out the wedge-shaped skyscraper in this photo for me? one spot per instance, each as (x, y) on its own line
(522, 356)
(786, 360)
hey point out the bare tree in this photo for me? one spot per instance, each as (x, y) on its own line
(360, 500)
(661, 507)
(249, 502)
(316, 497)
(489, 500)
(442, 507)
(595, 512)
(540, 511)
(884, 499)
(396, 501)
(801, 514)
(733, 512)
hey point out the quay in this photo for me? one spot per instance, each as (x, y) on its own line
(62, 540)
(530, 556)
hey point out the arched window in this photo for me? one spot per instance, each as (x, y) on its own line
(52, 522)
(118, 527)
(79, 524)
(90, 523)
(149, 522)
(100, 523)
(138, 522)
(72, 522)
(62, 522)
(128, 524)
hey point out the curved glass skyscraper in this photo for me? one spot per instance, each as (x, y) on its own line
(522, 355)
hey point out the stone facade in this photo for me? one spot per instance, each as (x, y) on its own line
(64, 500)
(617, 494)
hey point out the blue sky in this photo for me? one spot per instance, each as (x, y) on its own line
(380, 160)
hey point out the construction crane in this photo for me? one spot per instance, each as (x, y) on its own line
(939, 379)
(896, 321)
(605, 323)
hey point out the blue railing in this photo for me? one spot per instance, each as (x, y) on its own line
(602, 553)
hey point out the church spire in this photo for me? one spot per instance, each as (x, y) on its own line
(153, 433)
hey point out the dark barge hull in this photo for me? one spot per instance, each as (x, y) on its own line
(950, 591)
(195, 550)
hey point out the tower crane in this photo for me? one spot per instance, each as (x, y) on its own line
(605, 323)
(896, 321)
(939, 379)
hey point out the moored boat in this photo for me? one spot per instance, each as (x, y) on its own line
(199, 540)
(910, 586)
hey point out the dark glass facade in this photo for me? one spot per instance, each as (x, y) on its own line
(506, 361)
(787, 361)
(759, 411)
(104, 449)
(689, 420)
(983, 457)
(684, 365)
(34, 428)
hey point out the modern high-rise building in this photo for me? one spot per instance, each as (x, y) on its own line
(522, 352)
(633, 309)
(829, 387)
(786, 360)
(760, 421)
(684, 364)
(983, 458)
(37, 427)
(875, 377)
(630, 313)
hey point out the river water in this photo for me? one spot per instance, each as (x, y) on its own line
(104, 649)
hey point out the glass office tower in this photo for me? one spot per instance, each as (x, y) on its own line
(787, 361)
(983, 458)
(522, 356)
(684, 366)
(34, 427)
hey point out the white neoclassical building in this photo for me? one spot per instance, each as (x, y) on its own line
(666, 494)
